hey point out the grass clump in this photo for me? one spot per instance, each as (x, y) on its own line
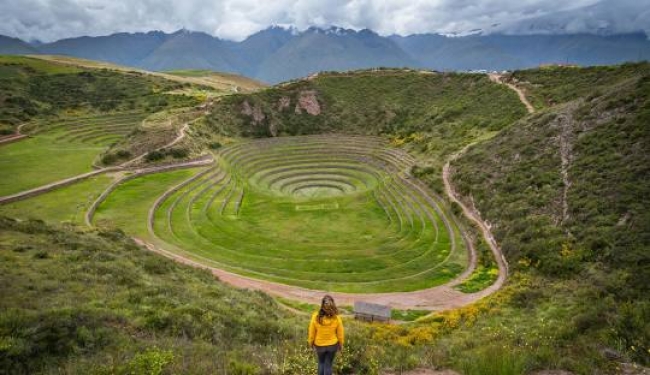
(494, 361)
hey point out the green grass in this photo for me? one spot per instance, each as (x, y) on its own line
(376, 234)
(61, 148)
(128, 206)
(38, 161)
(408, 315)
(555, 85)
(14, 67)
(480, 279)
(68, 204)
(345, 240)
(307, 308)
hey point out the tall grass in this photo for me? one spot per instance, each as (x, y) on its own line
(498, 360)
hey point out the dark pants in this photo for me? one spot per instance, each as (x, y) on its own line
(326, 358)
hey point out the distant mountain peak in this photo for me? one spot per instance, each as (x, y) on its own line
(282, 52)
(330, 30)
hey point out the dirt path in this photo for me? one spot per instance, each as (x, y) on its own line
(498, 79)
(17, 136)
(438, 298)
(474, 216)
(181, 135)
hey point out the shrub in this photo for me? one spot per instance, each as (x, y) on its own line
(155, 155)
(150, 362)
(41, 254)
(178, 153)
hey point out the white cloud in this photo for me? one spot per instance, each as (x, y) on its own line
(49, 20)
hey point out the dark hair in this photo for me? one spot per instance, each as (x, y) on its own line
(327, 308)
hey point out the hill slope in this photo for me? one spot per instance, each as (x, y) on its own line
(567, 190)
(15, 46)
(31, 88)
(126, 300)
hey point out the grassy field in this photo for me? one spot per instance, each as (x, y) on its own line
(68, 204)
(338, 224)
(276, 214)
(127, 207)
(61, 148)
(39, 161)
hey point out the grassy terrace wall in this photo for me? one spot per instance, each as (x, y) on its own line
(332, 212)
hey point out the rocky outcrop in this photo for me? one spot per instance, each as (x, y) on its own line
(284, 103)
(254, 111)
(308, 101)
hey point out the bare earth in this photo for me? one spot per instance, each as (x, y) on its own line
(423, 372)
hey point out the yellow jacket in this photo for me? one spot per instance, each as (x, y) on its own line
(328, 333)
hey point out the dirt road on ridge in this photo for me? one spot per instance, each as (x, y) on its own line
(522, 97)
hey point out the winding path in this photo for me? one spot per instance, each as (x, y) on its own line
(498, 78)
(17, 136)
(181, 135)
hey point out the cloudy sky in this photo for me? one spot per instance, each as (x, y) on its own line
(49, 20)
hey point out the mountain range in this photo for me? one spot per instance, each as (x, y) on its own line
(278, 54)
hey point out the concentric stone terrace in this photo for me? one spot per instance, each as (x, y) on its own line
(323, 212)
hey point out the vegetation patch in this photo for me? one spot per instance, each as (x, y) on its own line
(250, 215)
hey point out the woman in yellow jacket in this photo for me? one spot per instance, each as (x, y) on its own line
(326, 334)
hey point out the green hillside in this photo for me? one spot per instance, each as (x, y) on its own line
(133, 311)
(567, 194)
(393, 102)
(548, 86)
(335, 166)
(32, 88)
(432, 114)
